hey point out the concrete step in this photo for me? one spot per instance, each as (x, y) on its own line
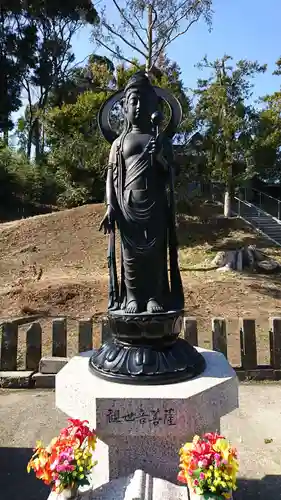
(270, 233)
(262, 216)
(51, 365)
(256, 217)
(16, 379)
(268, 219)
(270, 228)
(44, 380)
(267, 222)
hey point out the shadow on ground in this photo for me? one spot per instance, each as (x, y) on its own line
(22, 486)
(253, 489)
(218, 233)
(16, 483)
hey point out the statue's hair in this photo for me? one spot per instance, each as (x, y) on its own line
(138, 79)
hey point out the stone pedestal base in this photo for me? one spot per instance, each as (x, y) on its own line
(138, 486)
(144, 426)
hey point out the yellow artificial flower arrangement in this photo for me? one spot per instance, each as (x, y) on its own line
(209, 466)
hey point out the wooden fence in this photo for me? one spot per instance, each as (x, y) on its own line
(248, 369)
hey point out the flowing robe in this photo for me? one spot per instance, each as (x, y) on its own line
(146, 221)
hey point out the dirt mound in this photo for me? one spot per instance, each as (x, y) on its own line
(71, 299)
(54, 263)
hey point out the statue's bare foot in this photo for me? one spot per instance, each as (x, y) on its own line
(132, 307)
(154, 307)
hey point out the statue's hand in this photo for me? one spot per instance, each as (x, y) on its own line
(107, 221)
(156, 146)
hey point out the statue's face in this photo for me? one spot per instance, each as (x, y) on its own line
(139, 106)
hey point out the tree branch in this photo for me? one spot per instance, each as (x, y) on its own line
(149, 38)
(155, 16)
(119, 56)
(169, 40)
(184, 31)
(176, 10)
(139, 23)
(111, 30)
(129, 23)
(77, 64)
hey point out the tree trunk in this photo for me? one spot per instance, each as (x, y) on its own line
(228, 193)
(6, 137)
(227, 203)
(36, 138)
(29, 142)
(148, 63)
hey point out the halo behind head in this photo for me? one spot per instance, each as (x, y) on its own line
(141, 80)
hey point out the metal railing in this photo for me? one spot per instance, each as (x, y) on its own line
(243, 207)
(264, 201)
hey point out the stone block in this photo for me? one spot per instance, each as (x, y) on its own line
(86, 495)
(239, 265)
(144, 426)
(106, 333)
(44, 380)
(52, 364)
(16, 379)
(136, 486)
(140, 486)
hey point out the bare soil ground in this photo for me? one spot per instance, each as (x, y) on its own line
(56, 264)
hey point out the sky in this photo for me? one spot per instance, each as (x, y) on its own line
(243, 29)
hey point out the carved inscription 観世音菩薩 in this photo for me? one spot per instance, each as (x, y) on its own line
(154, 417)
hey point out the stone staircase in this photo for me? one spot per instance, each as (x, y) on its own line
(261, 220)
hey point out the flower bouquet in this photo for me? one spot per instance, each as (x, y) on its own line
(209, 467)
(66, 463)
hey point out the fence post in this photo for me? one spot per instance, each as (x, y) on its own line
(105, 332)
(59, 338)
(190, 332)
(33, 346)
(219, 336)
(9, 347)
(85, 342)
(248, 344)
(278, 216)
(275, 343)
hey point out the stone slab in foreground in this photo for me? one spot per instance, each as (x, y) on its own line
(137, 486)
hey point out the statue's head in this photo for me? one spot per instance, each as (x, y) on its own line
(141, 100)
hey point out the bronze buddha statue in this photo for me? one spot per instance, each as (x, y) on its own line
(139, 172)
(145, 309)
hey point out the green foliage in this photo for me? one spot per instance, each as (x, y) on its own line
(226, 120)
(15, 47)
(23, 183)
(35, 43)
(267, 142)
(78, 155)
(61, 157)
